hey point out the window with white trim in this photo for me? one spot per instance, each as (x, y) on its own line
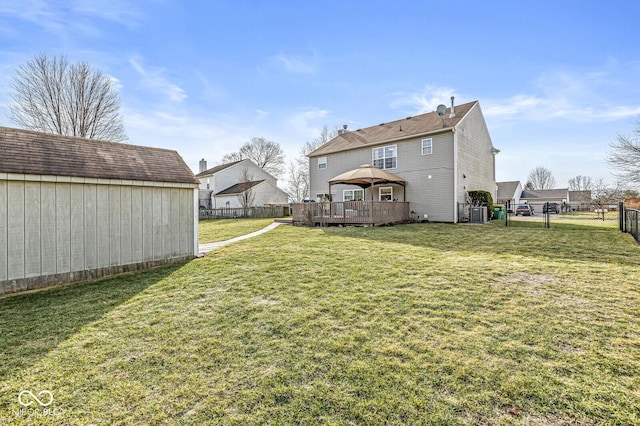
(322, 163)
(353, 194)
(385, 157)
(386, 193)
(427, 146)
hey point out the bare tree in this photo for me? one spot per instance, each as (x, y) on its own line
(625, 158)
(299, 184)
(266, 154)
(247, 196)
(53, 96)
(541, 178)
(605, 195)
(580, 183)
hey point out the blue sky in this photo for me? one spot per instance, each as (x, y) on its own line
(556, 80)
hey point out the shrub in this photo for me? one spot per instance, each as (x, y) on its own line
(482, 198)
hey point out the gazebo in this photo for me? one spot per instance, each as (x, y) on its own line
(366, 176)
(358, 212)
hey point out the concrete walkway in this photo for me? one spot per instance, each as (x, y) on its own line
(207, 247)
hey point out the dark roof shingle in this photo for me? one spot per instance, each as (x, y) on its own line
(216, 169)
(404, 128)
(239, 188)
(28, 152)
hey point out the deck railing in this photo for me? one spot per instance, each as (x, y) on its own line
(351, 212)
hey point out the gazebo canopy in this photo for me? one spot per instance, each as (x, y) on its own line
(365, 176)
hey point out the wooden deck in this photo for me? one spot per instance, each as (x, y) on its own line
(351, 213)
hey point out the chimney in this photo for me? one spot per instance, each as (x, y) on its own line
(453, 111)
(203, 165)
(343, 130)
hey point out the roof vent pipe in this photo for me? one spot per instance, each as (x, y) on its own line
(453, 111)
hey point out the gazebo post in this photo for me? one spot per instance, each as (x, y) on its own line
(330, 203)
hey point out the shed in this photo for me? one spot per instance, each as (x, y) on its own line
(74, 209)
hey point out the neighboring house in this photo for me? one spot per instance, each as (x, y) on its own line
(580, 200)
(512, 194)
(441, 158)
(74, 209)
(538, 198)
(235, 184)
(509, 194)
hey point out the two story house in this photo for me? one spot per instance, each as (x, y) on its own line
(235, 184)
(440, 156)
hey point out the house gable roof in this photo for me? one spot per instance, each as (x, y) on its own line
(35, 153)
(395, 130)
(216, 169)
(545, 194)
(506, 190)
(239, 188)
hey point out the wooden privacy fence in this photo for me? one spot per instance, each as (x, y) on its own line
(254, 212)
(351, 212)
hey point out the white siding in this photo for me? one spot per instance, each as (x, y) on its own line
(32, 226)
(3, 230)
(90, 227)
(52, 226)
(476, 161)
(102, 228)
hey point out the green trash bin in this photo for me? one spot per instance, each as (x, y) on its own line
(498, 212)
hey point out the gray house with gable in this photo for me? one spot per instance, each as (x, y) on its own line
(441, 158)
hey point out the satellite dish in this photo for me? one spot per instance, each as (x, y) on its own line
(441, 109)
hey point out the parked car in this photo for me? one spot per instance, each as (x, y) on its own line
(524, 210)
(551, 207)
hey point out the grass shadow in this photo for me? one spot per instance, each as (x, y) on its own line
(32, 324)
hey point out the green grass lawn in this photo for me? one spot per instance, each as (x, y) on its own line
(412, 324)
(214, 230)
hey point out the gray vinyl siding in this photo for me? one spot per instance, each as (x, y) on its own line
(52, 226)
(476, 160)
(433, 197)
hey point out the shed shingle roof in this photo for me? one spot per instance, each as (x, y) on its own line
(394, 130)
(28, 152)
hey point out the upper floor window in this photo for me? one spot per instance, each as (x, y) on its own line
(322, 163)
(385, 157)
(427, 146)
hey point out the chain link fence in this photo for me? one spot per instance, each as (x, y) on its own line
(550, 214)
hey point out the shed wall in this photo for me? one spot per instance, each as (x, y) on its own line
(55, 229)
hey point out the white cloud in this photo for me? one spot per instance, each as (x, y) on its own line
(296, 65)
(423, 101)
(69, 20)
(307, 121)
(153, 79)
(595, 95)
